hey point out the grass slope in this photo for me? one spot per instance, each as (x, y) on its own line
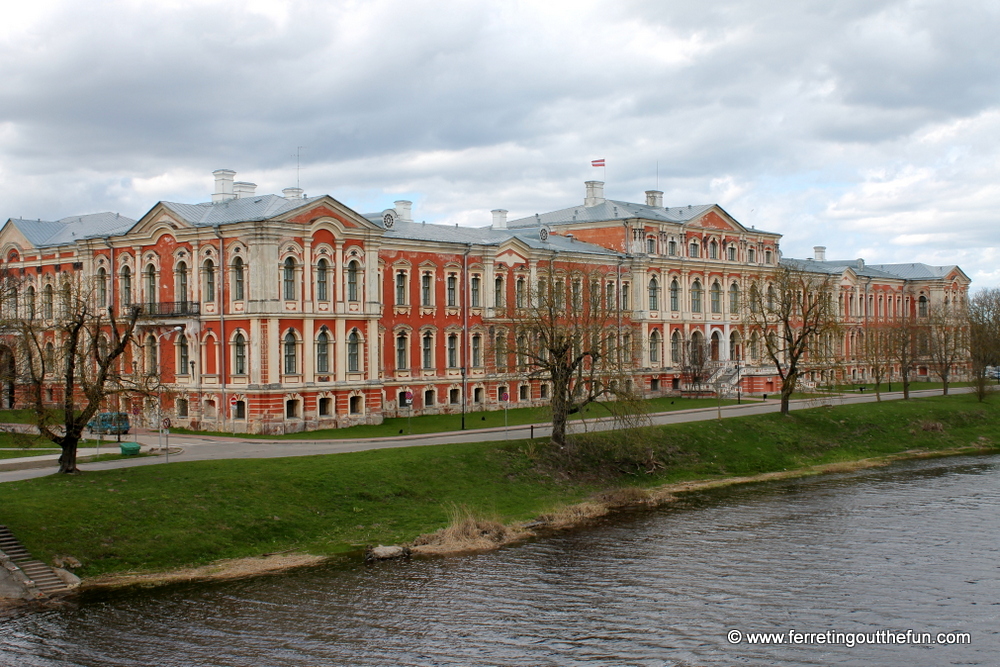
(166, 516)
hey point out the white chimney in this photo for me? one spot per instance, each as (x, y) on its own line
(595, 193)
(654, 198)
(223, 185)
(243, 189)
(403, 208)
(819, 253)
(499, 218)
(292, 193)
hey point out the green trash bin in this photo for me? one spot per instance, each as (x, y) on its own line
(130, 448)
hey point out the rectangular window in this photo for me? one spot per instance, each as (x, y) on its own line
(425, 289)
(428, 348)
(325, 407)
(428, 398)
(625, 303)
(452, 351)
(355, 405)
(241, 410)
(401, 288)
(523, 392)
(291, 409)
(452, 291)
(453, 396)
(475, 291)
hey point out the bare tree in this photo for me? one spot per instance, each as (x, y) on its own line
(571, 331)
(67, 352)
(948, 334)
(793, 314)
(904, 348)
(876, 352)
(696, 367)
(984, 337)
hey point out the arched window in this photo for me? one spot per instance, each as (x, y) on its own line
(716, 297)
(650, 245)
(693, 249)
(401, 352)
(427, 350)
(519, 291)
(654, 293)
(731, 252)
(425, 289)
(477, 351)
(102, 288)
(31, 302)
(181, 282)
(126, 297)
(452, 351)
(401, 288)
(322, 280)
(713, 250)
(770, 298)
(696, 294)
(675, 296)
(474, 289)
(151, 365)
(47, 297)
(734, 346)
(183, 354)
(734, 298)
(751, 255)
(922, 306)
(353, 352)
(654, 348)
(352, 281)
(150, 275)
(323, 352)
(239, 280)
(209, 292)
(239, 354)
(697, 355)
(675, 347)
(291, 356)
(288, 279)
(50, 358)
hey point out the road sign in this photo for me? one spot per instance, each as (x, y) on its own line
(233, 401)
(409, 395)
(505, 396)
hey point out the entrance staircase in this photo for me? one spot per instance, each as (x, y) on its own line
(39, 576)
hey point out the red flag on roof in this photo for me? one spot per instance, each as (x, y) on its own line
(597, 163)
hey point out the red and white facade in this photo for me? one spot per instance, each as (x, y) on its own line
(299, 313)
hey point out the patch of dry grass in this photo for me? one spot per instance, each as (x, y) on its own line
(467, 532)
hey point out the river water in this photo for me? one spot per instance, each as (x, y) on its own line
(912, 547)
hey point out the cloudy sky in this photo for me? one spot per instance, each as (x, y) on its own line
(868, 126)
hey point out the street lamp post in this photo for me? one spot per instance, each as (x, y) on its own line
(164, 432)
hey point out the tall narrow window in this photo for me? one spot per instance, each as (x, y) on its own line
(401, 288)
(519, 292)
(675, 296)
(323, 353)
(31, 302)
(288, 279)
(151, 284)
(713, 250)
(654, 348)
(150, 355)
(693, 249)
(427, 350)
(751, 255)
(183, 354)
(353, 352)
(209, 280)
(47, 302)
(922, 306)
(401, 352)
(477, 351)
(474, 289)
(654, 293)
(625, 299)
(239, 280)
(352, 281)
(126, 297)
(291, 356)
(322, 281)
(102, 288)
(181, 274)
(671, 248)
(675, 347)
(696, 294)
(650, 245)
(452, 291)
(731, 252)
(498, 292)
(716, 297)
(452, 351)
(734, 298)
(239, 354)
(425, 289)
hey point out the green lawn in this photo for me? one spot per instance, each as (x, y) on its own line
(165, 516)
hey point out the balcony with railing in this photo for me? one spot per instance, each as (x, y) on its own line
(170, 309)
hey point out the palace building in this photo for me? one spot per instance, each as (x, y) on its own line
(272, 314)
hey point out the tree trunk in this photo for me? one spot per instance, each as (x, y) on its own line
(559, 428)
(67, 460)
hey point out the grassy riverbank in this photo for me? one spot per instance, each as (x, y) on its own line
(166, 516)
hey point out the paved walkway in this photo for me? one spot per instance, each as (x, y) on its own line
(205, 448)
